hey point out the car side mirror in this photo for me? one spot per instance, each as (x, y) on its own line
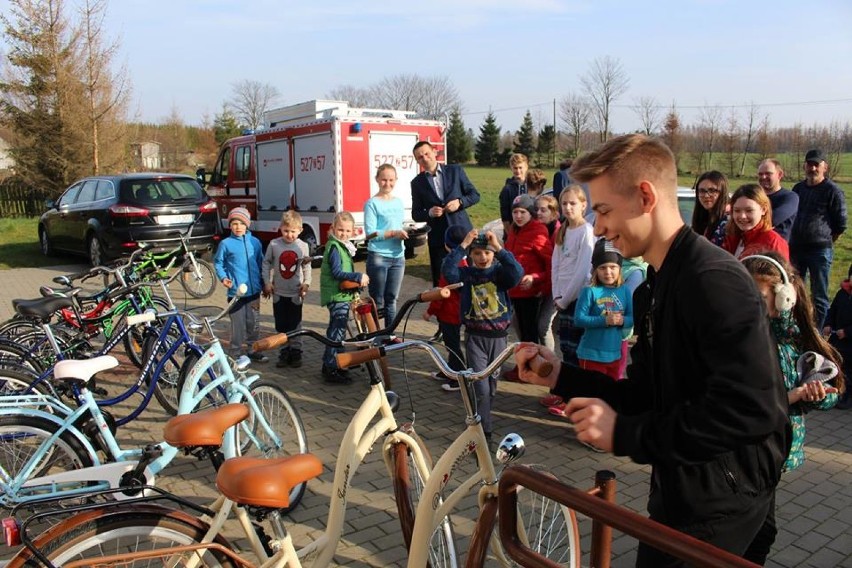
(201, 176)
(50, 204)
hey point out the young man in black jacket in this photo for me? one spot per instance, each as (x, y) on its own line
(704, 400)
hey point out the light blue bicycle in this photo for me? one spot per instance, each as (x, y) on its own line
(48, 448)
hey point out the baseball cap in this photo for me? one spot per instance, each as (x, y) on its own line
(815, 155)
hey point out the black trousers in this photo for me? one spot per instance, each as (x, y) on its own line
(436, 257)
(749, 534)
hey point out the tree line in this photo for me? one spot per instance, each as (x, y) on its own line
(64, 109)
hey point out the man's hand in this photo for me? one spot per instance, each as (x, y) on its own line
(453, 205)
(436, 211)
(594, 421)
(525, 352)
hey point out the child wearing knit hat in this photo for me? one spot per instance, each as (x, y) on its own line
(239, 260)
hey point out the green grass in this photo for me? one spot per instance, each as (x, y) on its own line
(19, 245)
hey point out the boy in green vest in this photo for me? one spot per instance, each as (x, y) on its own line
(338, 266)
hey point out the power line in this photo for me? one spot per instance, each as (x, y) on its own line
(685, 107)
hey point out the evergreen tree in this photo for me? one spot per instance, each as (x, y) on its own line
(525, 137)
(225, 125)
(458, 143)
(546, 149)
(488, 144)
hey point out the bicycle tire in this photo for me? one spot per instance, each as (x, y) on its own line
(215, 398)
(133, 341)
(13, 356)
(17, 326)
(20, 381)
(408, 484)
(166, 386)
(204, 284)
(284, 419)
(21, 436)
(101, 532)
(548, 528)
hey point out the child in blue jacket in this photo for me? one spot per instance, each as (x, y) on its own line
(486, 310)
(238, 261)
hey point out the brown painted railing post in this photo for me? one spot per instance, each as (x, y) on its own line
(601, 553)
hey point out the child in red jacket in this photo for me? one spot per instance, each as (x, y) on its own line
(448, 314)
(529, 242)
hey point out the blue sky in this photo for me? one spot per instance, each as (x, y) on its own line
(186, 54)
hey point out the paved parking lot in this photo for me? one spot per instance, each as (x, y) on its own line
(814, 504)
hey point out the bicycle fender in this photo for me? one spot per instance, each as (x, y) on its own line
(250, 380)
(84, 441)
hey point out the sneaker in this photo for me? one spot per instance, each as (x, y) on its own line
(336, 377)
(550, 400)
(558, 410)
(281, 363)
(437, 338)
(451, 386)
(438, 376)
(295, 359)
(258, 357)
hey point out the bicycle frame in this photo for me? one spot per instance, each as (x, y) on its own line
(103, 476)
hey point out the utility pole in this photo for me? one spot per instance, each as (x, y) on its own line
(555, 137)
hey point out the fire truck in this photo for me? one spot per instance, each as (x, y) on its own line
(318, 158)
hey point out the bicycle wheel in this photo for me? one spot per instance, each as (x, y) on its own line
(548, 528)
(134, 340)
(201, 284)
(100, 533)
(166, 384)
(19, 381)
(21, 439)
(408, 484)
(283, 419)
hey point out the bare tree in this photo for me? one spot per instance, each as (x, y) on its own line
(429, 97)
(575, 112)
(731, 140)
(106, 93)
(355, 96)
(604, 82)
(672, 133)
(751, 127)
(250, 99)
(648, 111)
(709, 123)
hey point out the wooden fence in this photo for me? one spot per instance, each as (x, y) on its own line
(19, 200)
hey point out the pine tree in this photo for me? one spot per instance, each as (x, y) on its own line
(488, 144)
(546, 149)
(458, 143)
(225, 125)
(525, 137)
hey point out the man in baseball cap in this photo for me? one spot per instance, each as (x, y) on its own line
(820, 221)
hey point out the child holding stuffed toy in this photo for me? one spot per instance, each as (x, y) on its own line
(811, 367)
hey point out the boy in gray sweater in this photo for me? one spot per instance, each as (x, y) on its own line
(288, 259)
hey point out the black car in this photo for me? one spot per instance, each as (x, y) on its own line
(104, 217)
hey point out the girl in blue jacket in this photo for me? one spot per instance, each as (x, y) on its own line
(605, 311)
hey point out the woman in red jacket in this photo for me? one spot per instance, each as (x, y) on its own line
(750, 231)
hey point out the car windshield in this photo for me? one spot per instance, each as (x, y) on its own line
(159, 191)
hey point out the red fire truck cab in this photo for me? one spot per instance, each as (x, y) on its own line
(319, 158)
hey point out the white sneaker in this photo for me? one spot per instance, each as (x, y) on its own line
(451, 386)
(437, 376)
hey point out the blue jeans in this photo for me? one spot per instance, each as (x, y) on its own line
(385, 281)
(338, 316)
(817, 263)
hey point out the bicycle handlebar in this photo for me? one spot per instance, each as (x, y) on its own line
(539, 365)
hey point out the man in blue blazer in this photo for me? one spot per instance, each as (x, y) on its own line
(440, 195)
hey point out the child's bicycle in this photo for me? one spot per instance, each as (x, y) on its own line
(45, 445)
(144, 531)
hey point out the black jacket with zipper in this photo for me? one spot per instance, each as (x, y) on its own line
(704, 401)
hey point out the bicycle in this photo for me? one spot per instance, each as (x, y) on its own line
(120, 530)
(50, 448)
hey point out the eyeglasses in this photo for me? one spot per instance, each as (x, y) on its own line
(708, 191)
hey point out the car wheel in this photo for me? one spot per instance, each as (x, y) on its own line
(96, 251)
(44, 241)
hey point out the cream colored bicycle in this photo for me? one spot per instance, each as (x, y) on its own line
(258, 489)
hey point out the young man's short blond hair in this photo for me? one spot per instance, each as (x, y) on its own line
(628, 160)
(292, 220)
(518, 159)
